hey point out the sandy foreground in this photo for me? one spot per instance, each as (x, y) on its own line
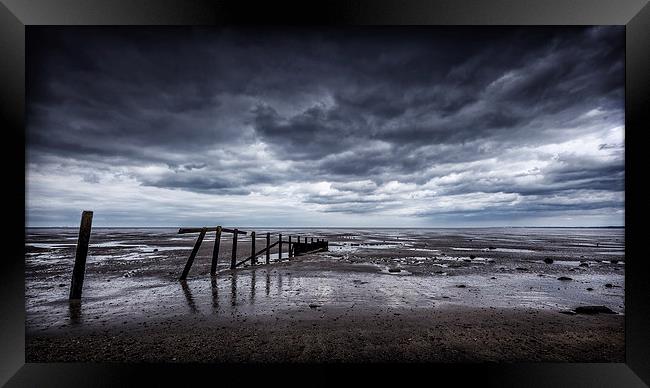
(412, 295)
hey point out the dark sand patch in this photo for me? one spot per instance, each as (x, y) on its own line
(343, 305)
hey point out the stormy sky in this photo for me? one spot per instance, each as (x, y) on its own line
(356, 127)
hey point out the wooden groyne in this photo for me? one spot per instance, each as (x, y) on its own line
(294, 248)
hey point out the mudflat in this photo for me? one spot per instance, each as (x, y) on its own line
(466, 295)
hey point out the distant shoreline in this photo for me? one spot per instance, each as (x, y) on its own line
(337, 227)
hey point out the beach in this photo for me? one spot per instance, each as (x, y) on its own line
(377, 295)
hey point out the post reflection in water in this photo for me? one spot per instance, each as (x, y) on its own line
(215, 293)
(236, 301)
(188, 297)
(253, 286)
(233, 289)
(74, 308)
(268, 282)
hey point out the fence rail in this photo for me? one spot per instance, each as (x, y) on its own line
(209, 229)
(294, 248)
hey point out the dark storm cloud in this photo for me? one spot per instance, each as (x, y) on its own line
(570, 173)
(228, 111)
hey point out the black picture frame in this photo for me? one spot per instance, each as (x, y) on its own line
(15, 15)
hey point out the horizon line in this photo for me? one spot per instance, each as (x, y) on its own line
(341, 227)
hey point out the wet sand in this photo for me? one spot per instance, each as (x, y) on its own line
(453, 299)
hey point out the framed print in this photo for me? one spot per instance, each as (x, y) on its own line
(444, 188)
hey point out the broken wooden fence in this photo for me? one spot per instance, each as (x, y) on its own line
(294, 248)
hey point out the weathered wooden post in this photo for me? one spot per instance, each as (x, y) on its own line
(280, 248)
(80, 258)
(195, 250)
(253, 248)
(289, 245)
(298, 239)
(215, 251)
(312, 240)
(268, 249)
(233, 258)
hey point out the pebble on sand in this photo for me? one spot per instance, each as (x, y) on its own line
(564, 278)
(548, 260)
(594, 310)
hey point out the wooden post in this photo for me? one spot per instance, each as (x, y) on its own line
(80, 258)
(195, 250)
(233, 259)
(280, 248)
(312, 240)
(298, 239)
(253, 248)
(268, 250)
(215, 252)
(289, 246)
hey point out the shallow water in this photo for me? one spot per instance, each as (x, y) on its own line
(126, 280)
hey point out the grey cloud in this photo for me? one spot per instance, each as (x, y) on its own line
(344, 105)
(214, 185)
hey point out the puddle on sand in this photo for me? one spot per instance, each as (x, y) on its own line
(285, 289)
(510, 250)
(51, 245)
(271, 291)
(424, 250)
(352, 248)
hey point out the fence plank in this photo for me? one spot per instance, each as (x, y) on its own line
(233, 258)
(215, 251)
(268, 247)
(253, 256)
(280, 247)
(195, 250)
(210, 229)
(79, 269)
